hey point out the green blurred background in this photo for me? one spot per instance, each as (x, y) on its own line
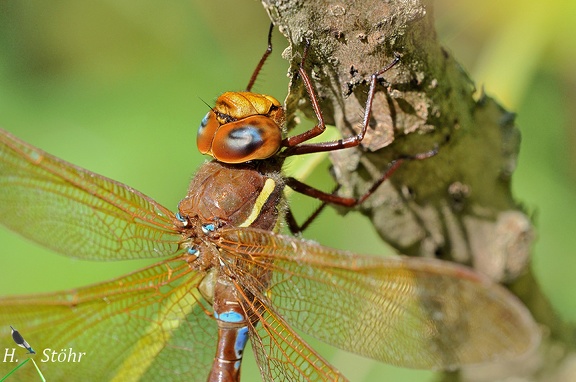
(119, 87)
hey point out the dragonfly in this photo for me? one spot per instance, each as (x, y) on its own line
(225, 273)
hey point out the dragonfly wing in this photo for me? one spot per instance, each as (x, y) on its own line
(280, 353)
(411, 312)
(76, 212)
(149, 325)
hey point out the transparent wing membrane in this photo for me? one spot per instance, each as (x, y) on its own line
(409, 312)
(149, 324)
(76, 212)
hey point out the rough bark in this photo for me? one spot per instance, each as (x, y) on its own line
(457, 205)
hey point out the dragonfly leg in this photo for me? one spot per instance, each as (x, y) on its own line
(294, 144)
(333, 198)
(262, 60)
(296, 228)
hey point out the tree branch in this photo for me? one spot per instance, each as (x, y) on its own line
(457, 205)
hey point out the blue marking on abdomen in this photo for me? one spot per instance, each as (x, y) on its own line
(231, 316)
(241, 341)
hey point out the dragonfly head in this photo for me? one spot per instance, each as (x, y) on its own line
(241, 127)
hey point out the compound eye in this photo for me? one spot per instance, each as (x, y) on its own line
(245, 140)
(256, 137)
(203, 123)
(206, 132)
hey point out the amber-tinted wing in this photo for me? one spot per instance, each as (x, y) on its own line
(280, 353)
(410, 312)
(76, 212)
(148, 325)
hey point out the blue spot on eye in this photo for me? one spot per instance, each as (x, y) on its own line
(208, 228)
(245, 139)
(231, 316)
(179, 217)
(241, 340)
(193, 251)
(204, 122)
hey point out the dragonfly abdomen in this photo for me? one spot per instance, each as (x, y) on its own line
(232, 333)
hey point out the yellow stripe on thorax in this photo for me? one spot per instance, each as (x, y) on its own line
(267, 190)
